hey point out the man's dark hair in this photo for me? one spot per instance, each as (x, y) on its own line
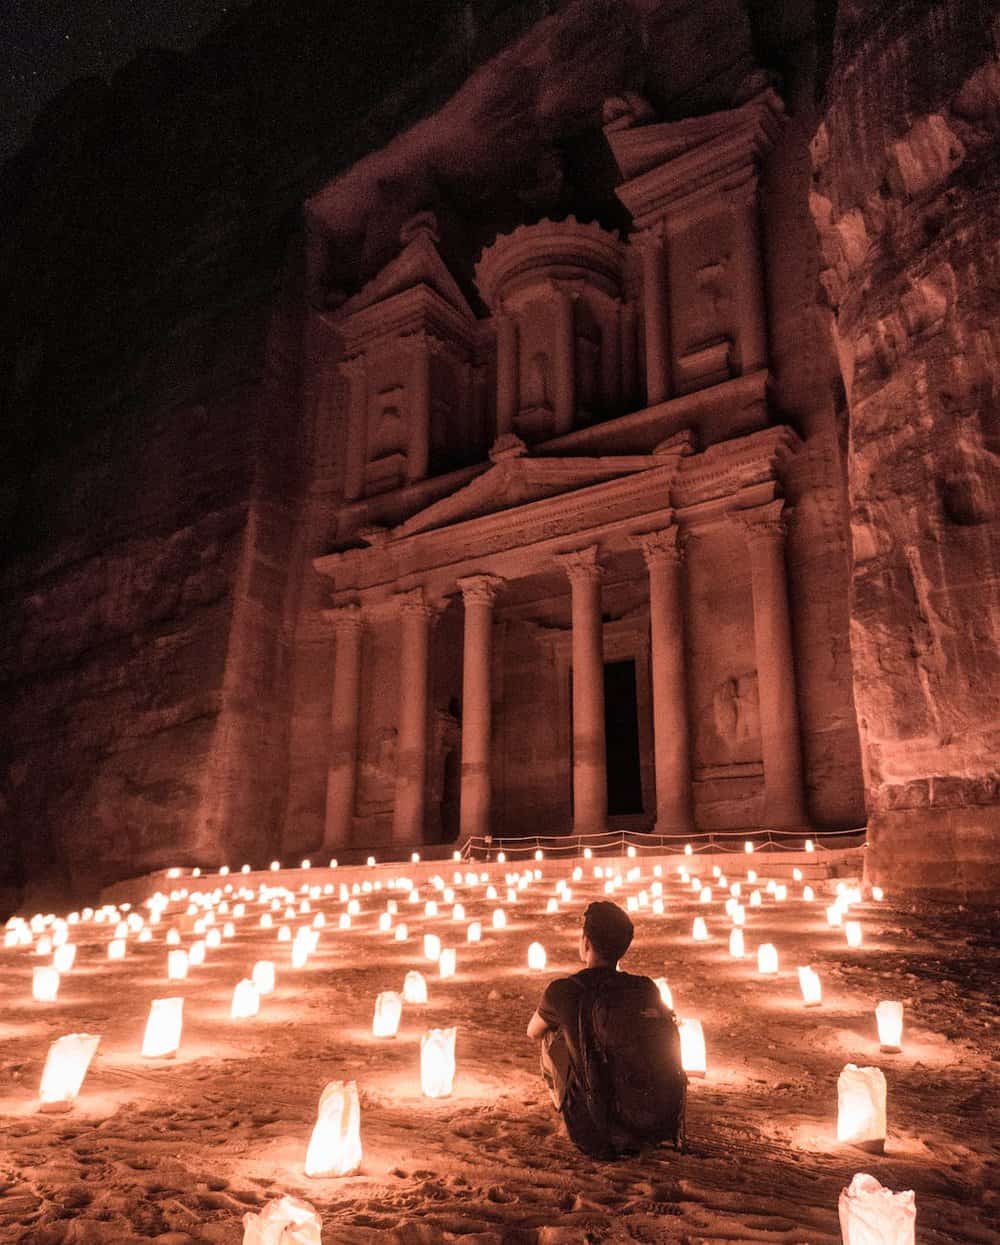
(608, 929)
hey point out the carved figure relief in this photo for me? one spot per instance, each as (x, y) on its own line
(735, 714)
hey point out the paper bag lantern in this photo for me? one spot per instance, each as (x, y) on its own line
(499, 918)
(163, 1029)
(705, 895)
(64, 957)
(861, 1107)
(388, 1010)
(475, 932)
(664, 989)
(300, 953)
(45, 984)
(213, 938)
(65, 1067)
(536, 957)
(335, 1144)
(263, 976)
(246, 1000)
(736, 948)
(384, 922)
(196, 955)
(458, 912)
(852, 929)
(767, 958)
(447, 961)
(834, 914)
(809, 984)
(402, 932)
(699, 930)
(414, 987)
(693, 1058)
(889, 1017)
(116, 949)
(177, 965)
(432, 947)
(437, 1062)
(870, 1214)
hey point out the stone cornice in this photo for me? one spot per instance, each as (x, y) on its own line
(533, 254)
(344, 619)
(730, 466)
(406, 313)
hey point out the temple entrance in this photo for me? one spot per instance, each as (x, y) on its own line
(621, 735)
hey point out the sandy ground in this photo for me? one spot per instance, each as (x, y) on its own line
(177, 1151)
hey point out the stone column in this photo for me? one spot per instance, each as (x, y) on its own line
(626, 330)
(655, 308)
(662, 552)
(590, 779)
(748, 282)
(565, 360)
(508, 396)
(478, 593)
(781, 750)
(611, 377)
(419, 406)
(355, 453)
(348, 626)
(415, 617)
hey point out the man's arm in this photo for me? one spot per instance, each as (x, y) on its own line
(537, 1026)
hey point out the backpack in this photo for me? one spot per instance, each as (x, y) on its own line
(631, 1078)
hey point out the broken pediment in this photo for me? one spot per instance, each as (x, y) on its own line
(518, 481)
(419, 264)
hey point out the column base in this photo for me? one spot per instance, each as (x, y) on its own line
(674, 826)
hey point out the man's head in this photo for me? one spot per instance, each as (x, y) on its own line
(608, 930)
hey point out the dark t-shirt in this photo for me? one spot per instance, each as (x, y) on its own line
(560, 1005)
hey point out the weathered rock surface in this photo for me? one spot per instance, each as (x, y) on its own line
(906, 202)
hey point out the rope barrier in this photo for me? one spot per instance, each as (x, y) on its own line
(699, 841)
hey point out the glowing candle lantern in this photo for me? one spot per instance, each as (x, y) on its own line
(706, 895)
(699, 930)
(263, 976)
(657, 907)
(447, 961)
(834, 914)
(796, 875)
(736, 948)
(780, 893)
(861, 1107)
(693, 1058)
(116, 949)
(664, 989)
(688, 849)
(511, 895)
(552, 907)
(388, 1010)
(384, 922)
(163, 1029)
(491, 892)
(335, 1144)
(437, 1062)
(587, 853)
(177, 965)
(246, 1000)
(45, 984)
(146, 935)
(414, 987)
(432, 947)
(265, 921)
(344, 921)
(499, 918)
(458, 912)
(475, 932)
(354, 907)
(65, 1067)
(62, 960)
(739, 915)
(878, 894)
(536, 957)
(754, 899)
(751, 877)
(44, 945)
(196, 954)
(809, 984)
(121, 930)
(402, 932)
(889, 1017)
(809, 845)
(767, 958)
(852, 931)
(300, 953)
(632, 903)
(213, 938)
(748, 847)
(808, 894)
(871, 1214)
(430, 908)
(370, 861)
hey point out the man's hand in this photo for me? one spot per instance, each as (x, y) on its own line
(536, 1026)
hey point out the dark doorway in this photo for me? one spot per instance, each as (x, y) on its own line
(450, 796)
(621, 734)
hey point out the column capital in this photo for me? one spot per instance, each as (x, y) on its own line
(480, 589)
(664, 547)
(344, 618)
(762, 523)
(416, 602)
(582, 565)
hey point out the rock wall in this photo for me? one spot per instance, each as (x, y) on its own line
(907, 204)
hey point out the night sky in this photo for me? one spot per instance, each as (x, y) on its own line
(46, 44)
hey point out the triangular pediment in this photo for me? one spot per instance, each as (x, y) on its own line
(517, 482)
(418, 264)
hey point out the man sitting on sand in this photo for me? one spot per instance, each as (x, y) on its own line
(610, 1047)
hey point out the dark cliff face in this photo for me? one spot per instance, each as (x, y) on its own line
(154, 459)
